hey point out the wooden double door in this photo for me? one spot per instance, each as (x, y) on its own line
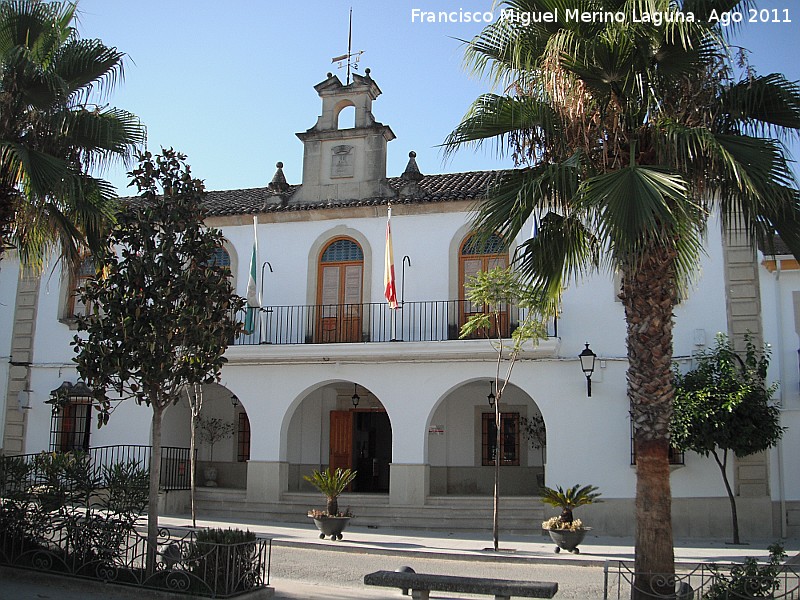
(339, 303)
(362, 440)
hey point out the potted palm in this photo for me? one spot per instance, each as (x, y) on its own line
(330, 521)
(565, 530)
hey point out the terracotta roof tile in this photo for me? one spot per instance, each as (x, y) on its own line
(447, 187)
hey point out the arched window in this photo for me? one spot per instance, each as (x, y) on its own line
(221, 258)
(339, 292)
(479, 255)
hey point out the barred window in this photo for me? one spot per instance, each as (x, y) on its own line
(509, 439)
(243, 438)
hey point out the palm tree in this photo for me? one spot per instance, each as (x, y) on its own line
(52, 133)
(626, 136)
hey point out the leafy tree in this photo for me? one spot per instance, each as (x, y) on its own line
(162, 309)
(626, 136)
(724, 405)
(54, 130)
(496, 290)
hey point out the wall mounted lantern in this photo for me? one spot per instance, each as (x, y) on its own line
(355, 398)
(587, 366)
(234, 400)
(491, 397)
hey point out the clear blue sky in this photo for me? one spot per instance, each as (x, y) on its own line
(230, 83)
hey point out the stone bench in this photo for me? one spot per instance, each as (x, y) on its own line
(421, 584)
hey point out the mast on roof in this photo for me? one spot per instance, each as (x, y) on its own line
(351, 59)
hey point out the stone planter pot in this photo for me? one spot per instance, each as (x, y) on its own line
(210, 473)
(568, 540)
(331, 526)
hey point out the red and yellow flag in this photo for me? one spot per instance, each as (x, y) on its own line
(388, 271)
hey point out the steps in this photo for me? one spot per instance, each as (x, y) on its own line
(518, 514)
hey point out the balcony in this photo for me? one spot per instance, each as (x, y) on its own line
(430, 321)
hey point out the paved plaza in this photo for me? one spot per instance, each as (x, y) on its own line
(305, 567)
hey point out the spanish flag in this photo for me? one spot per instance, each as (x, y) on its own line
(388, 271)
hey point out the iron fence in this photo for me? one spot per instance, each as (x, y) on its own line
(703, 581)
(101, 549)
(174, 463)
(429, 321)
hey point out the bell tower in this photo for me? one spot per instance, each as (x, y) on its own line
(345, 164)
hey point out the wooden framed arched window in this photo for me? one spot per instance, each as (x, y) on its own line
(339, 292)
(477, 256)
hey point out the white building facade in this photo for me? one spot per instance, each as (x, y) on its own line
(330, 375)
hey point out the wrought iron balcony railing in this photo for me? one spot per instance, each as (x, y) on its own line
(429, 321)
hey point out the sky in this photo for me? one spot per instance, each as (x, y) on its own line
(230, 83)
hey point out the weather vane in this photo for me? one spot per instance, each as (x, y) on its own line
(350, 60)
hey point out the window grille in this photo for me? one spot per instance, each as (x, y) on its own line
(342, 250)
(243, 438)
(509, 439)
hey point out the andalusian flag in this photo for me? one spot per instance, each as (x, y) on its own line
(253, 301)
(388, 271)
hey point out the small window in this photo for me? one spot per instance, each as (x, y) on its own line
(243, 438)
(70, 427)
(509, 439)
(85, 271)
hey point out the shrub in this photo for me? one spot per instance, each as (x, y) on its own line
(226, 560)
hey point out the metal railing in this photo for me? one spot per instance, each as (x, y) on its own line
(429, 321)
(101, 549)
(174, 463)
(706, 580)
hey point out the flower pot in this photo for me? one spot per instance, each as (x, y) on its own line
(210, 474)
(567, 539)
(331, 526)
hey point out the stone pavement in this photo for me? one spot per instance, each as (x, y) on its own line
(595, 549)
(530, 548)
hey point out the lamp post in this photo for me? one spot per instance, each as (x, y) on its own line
(587, 366)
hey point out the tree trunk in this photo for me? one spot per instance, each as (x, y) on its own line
(332, 506)
(723, 466)
(497, 454)
(648, 293)
(155, 477)
(193, 466)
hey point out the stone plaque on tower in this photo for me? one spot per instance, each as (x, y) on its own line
(342, 161)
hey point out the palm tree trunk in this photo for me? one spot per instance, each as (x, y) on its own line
(648, 294)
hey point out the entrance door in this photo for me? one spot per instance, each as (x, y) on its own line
(339, 297)
(341, 445)
(362, 440)
(372, 450)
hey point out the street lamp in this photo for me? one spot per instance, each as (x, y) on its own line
(587, 366)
